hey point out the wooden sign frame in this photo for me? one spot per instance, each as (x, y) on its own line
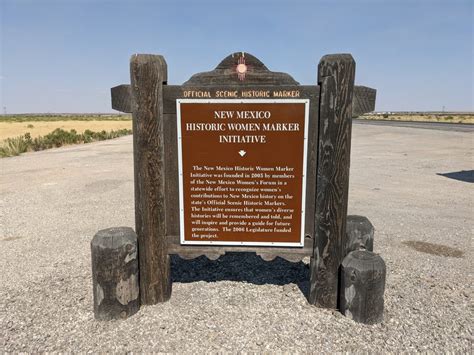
(153, 105)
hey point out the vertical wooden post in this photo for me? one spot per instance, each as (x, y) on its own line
(148, 74)
(336, 77)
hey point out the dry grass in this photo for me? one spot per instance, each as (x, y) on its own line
(41, 128)
(27, 117)
(465, 118)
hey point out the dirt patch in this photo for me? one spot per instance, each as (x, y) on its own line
(8, 239)
(434, 249)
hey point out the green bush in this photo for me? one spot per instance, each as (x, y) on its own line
(15, 146)
(385, 115)
(57, 138)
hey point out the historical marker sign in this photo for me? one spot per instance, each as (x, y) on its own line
(242, 167)
(221, 164)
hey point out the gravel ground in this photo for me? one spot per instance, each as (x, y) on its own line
(52, 203)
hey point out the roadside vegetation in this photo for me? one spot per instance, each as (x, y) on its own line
(57, 138)
(64, 117)
(466, 118)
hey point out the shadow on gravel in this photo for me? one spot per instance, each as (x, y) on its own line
(244, 267)
(463, 175)
(434, 249)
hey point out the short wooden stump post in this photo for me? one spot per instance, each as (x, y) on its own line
(115, 273)
(359, 234)
(362, 287)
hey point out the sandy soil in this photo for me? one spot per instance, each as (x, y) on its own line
(41, 128)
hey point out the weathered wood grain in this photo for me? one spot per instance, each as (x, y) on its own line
(363, 100)
(214, 251)
(312, 160)
(171, 174)
(115, 273)
(359, 234)
(173, 92)
(122, 98)
(363, 97)
(225, 73)
(362, 287)
(336, 77)
(148, 74)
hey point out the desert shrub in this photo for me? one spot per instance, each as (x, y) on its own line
(57, 138)
(385, 115)
(30, 126)
(15, 146)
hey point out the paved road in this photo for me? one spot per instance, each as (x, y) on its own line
(456, 127)
(404, 180)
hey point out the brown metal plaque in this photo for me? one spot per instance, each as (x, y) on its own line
(242, 167)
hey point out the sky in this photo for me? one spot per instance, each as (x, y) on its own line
(65, 55)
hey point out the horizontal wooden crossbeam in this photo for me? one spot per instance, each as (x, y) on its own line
(214, 252)
(363, 100)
